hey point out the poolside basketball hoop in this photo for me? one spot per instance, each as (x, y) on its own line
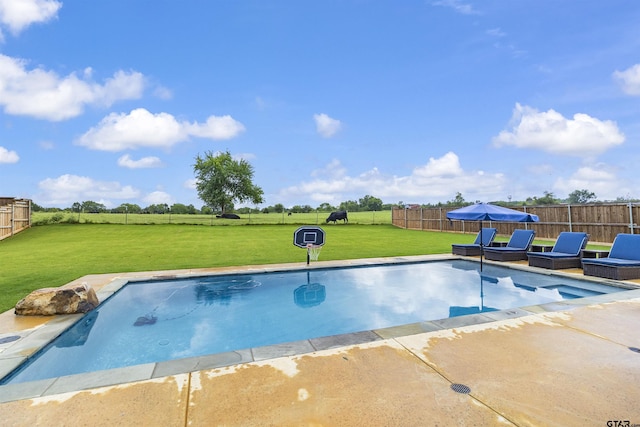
(313, 251)
(310, 238)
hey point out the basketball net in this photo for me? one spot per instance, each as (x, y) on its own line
(313, 251)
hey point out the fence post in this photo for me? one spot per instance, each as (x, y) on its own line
(440, 218)
(569, 212)
(631, 218)
(405, 218)
(13, 218)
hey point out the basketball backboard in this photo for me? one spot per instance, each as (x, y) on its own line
(308, 235)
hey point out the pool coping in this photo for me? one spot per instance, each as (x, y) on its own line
(12, 354)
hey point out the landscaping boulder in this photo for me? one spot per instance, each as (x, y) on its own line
(50, 301)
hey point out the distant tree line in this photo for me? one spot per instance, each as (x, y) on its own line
(367, 203)
(576, 197)
(90, 206)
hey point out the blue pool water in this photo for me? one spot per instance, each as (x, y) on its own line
(162, 320)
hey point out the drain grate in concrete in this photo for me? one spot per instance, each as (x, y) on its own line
(460, 388)
(12, 338)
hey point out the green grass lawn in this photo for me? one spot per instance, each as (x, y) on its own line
(53, 255)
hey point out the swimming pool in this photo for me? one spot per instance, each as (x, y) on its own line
(154, 321)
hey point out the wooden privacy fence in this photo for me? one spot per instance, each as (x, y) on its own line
(601, 221)
(15, 216)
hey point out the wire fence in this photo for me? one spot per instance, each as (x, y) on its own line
(312, 218)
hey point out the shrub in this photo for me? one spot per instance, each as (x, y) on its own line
(57, 217)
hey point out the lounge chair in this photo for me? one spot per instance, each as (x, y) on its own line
(516, 248)
(566, 253)
(623, 262)
(472, 249)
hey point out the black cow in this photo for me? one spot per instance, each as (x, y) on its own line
(228, 216)
(336, 216)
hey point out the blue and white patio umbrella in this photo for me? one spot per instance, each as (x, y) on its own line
(488, 212)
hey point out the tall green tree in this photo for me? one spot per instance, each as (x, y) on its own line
(457, 201)
(581, 197)
(179, 208)
(326, 207)
(301, 209)
(160, 208)
(547, 199)
(221, 180)
(349, 205)
(128, 207)
(370, 203)
(90, 206)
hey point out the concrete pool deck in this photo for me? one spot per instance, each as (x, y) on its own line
(575, 362)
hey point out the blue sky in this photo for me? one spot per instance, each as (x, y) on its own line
(413, 101)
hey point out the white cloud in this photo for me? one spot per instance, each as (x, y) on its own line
(446, 166)
(629, 79)
(162, 92)
(45, 95)
(333, 170)
(582, 136)
(67, 189)
(46, 145)
(190, 184)
(539, 169)
(224, 127)
(326, 126)
(7, 156)
(439, 179)
(244, 156)
(19, 14)
(140, 128)
(458, 6)
(158, 198)
(496, 32)
(123, 85)
(600, 179)
(146, 162)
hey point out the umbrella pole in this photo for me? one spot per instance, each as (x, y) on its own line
(481, 246)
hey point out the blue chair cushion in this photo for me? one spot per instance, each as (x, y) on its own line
(521, 239)
(488, 234)
(626, 246)
(570, 243)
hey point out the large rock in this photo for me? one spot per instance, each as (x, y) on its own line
(50, 301)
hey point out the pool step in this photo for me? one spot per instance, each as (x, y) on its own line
(573, 292)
